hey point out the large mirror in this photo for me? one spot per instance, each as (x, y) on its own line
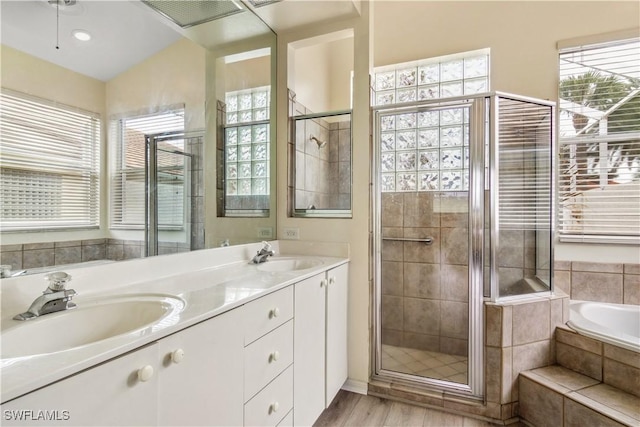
(109, 104)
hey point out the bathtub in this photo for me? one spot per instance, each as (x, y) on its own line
(617, 324)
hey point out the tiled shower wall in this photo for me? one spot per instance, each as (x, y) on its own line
(425, 288)
(323, 175)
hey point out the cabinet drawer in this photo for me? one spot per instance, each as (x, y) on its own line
(267, 313)
(273, 403)
(266, 358)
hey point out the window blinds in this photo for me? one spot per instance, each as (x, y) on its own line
(524, 162)
(599, 139)
(128, 175)
(49, 164)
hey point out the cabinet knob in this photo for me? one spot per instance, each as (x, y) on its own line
(177, 356)
(323, 283)
(274, 356)
(332, 280)
(274, 407)
(145, 373)
(274, 312)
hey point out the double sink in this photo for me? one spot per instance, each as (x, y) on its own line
(108, 317)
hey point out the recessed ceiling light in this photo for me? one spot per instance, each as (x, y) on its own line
(81, 35)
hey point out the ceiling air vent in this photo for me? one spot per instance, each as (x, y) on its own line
(260, 3)
(193, 12)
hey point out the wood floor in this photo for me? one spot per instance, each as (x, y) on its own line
(352, 409)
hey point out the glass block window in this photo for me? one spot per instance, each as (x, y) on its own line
(247, 137)
(247, 160)
(428, 150)
(441, 77)
(245, 106)
(425, 151)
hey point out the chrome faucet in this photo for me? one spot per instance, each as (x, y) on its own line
(53, 299)
(262, 255)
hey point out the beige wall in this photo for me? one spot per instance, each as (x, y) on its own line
(28, 74)
(175, 75)
(250, 73)
(322, 75)
(340, 73)
(522, 36)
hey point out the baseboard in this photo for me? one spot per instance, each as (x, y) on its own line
(354, 386)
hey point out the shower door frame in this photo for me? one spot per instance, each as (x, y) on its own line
(151, 222)
(478, 113)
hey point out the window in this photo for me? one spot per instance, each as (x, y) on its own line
(428, 150)
(128, 176)
(441, 77)
(599, 139)
(49, 165)
(246, 152)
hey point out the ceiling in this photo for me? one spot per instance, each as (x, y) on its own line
(125, 32)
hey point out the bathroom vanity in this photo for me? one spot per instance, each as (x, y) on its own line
(251, 344)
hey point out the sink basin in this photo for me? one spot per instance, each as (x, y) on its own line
(92, 321)
(289, 264)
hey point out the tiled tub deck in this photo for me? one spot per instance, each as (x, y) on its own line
(593, 383)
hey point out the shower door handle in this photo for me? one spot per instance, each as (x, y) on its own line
(425, 240)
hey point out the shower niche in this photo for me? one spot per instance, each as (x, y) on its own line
(463, 214)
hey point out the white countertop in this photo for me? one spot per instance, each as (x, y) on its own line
(207, 291)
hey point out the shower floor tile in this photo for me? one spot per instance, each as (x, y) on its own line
(424, 363)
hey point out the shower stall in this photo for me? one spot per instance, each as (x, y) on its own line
(463, 214)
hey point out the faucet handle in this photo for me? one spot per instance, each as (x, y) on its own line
(58, 280)
(266, 245)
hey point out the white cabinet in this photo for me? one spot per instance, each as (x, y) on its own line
(193, 377)
(309, 349)
(109, 394)
(320, 342)
(200, 372)
(337, 340)
(276, 361)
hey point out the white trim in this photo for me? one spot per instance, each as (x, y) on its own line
(584, 41)
(355, 386)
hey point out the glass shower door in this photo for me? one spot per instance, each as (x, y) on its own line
(423, 176)
(168, 169)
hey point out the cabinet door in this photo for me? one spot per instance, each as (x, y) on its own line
(309, 350)
(337, 305)
(110, 394)
(200, 378)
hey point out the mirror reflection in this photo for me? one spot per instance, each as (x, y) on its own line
(320, 143)
(245, 158)
(110, 139)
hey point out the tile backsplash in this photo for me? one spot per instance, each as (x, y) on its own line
(603, 282)
(37, 255)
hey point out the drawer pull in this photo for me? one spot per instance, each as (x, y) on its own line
(274, 313)
(145, 373)
(274, 407)
(323, 283)
(177, 356)
(273, 357)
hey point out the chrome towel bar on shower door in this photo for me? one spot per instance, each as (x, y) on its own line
(426, 240)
